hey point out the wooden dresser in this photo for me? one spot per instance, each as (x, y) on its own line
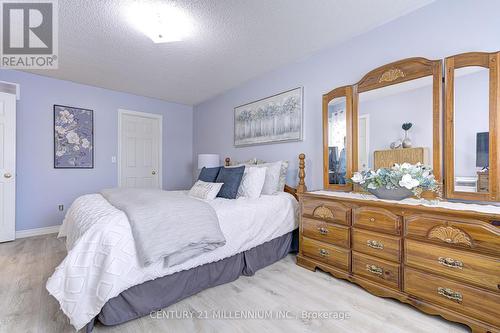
(442, 259)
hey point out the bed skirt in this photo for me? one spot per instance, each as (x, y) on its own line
(141, 300)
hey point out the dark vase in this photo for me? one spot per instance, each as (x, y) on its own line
(392, 194)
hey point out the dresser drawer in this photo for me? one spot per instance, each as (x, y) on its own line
(376, 244)
(377, 270)
(377, 219)
(454, 232)
(326, 210)
(326, 253)
(326, 232)
(452, 295)
(483, 271)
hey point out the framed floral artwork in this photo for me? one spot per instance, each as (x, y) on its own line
(73, 138)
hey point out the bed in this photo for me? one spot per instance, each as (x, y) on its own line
(101, 280)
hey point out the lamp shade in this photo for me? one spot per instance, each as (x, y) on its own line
(208, 160)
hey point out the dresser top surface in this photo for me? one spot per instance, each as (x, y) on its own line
(447, 205)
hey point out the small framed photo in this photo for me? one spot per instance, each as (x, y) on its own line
(73, 138)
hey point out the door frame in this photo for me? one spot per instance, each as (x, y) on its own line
(123, 112)
(8, 231)
(367, 134)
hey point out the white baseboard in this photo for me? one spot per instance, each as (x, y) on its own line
(37, 232)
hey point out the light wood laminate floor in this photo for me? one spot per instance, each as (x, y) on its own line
(25, 305)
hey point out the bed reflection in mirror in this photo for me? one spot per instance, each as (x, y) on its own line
(471, 129)
(381, 115)
(337, 132)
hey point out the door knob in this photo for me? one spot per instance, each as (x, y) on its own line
(153, 172)
(7, 175)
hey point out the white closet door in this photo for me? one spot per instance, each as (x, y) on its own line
(7, 167)
(140, 152)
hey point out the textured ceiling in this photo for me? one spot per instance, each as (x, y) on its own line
(234, 41)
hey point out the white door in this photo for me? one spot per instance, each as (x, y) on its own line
(7, 167)
(139, 152)
(364, 142)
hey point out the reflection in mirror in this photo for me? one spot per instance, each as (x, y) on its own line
(471, 126)
(337, 132)
(381, 115)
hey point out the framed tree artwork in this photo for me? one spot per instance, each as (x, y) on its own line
(272, 119)
(73, 138)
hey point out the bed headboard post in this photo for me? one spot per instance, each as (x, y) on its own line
(301, 186)
(227, 162)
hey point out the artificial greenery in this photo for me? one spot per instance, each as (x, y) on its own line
(414, 177)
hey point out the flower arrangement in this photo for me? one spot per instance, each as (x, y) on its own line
(411, 178)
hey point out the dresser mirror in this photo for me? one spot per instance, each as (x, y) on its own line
(363, 124)
(337, 142)
(472, 126)
(381, 115)
(398, 115)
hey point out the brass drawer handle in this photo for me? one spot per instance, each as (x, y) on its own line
(450, 294)
(452, 263)
(323, 230)
(372, 219)
(374, 244)
(324, 253)
(375, 270)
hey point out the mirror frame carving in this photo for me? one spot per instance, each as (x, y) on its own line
(345, 91)
(490, 61)
(399, 72)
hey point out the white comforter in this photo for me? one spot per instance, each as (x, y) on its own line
(102, 260)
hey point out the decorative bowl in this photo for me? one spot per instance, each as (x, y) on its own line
(391, 194)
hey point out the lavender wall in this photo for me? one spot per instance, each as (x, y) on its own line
(41, 188)
(438, 30)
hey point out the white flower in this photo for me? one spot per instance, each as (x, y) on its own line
(372, 186)
(357, 177)
(408, 182)
(85, 143)
(72, 137)
(406, 166)
(76, 148)
(425, 174)
(66, 117)
(60, 153)
(60, 130)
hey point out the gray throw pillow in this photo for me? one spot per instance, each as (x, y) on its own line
(231, 177)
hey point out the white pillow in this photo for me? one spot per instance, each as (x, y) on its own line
(252, 182)
(204, 190)
(273, 172)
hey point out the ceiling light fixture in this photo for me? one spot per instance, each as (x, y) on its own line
(161, 22)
